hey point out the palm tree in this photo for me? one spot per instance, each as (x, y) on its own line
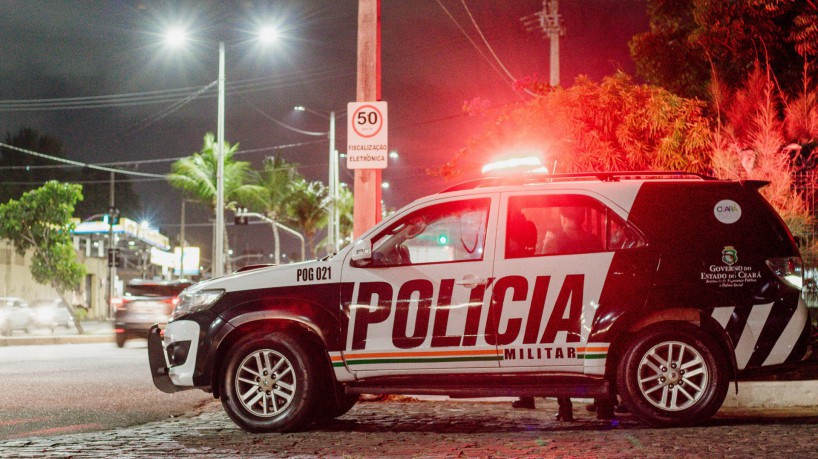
(308, 207)
(195, 175)
(275, 182)
(344, 207)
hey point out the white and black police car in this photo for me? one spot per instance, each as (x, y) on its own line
(657, 288)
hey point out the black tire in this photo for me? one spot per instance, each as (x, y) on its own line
(673, 376)
(120, 339)
(281, 400)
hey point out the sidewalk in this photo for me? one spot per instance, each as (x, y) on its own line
(95, 332)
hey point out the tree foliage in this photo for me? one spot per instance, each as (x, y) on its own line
(195, 175)
(308, 208)
(40, 221)
(275, 181)
(691, 40)
(608, 126)
(768, 136)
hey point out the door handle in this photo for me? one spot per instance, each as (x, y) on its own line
(471, 281)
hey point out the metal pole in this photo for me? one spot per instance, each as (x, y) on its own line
(332, 227)
(182, 244)
(111, 246)
(218, 257)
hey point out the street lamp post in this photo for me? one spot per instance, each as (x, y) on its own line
(176, 37)
(218, 257)
(333, 230)
(333, 225)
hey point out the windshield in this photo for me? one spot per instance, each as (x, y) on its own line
(155, 289)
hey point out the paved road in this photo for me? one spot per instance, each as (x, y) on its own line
(436, 429)
(54, 389)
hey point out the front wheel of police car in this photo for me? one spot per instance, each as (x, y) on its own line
(268, 384)
(673, 377)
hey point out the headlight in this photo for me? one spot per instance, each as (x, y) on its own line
(196, 301)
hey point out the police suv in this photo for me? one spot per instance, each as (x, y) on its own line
(660, 288)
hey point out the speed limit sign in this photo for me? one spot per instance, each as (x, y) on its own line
(366, 135)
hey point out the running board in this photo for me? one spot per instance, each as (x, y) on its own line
(458, 386)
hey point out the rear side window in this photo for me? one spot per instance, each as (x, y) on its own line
(155, 289)
(564, 224)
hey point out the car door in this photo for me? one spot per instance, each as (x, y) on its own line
(419, 302)
(552, 258)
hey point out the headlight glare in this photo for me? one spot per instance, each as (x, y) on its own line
(195, 301)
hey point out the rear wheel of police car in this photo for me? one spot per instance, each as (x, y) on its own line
(267, 384)
(673, 376)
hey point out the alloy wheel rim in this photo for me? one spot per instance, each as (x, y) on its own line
(265, 383)
(672, 376)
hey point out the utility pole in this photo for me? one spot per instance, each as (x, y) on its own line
(332, 227)
(550, 23)
(112, 211)
(182, 244)
(367, 187)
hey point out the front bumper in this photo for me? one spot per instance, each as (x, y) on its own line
(172, 355)
(158, 362)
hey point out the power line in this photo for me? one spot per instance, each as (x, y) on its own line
(171, 95)
(280, 123)
(491, 50)
(79, 164)
(491, 63)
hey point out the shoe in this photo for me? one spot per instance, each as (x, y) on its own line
(524, 403)
(566, 410)
(565, 415)
(604, 410)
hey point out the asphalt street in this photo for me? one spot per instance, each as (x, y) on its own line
(54, 389)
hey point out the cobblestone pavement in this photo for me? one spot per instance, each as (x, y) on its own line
(405, 427)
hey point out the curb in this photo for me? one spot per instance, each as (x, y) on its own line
(65, 339)
(773, 394)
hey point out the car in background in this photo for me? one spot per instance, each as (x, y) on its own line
(15, 314)
(51, 314)
(146, 302)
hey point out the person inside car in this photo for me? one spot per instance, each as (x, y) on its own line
(571, 237)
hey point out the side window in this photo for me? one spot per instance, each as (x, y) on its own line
(441, 233)
(564, 224)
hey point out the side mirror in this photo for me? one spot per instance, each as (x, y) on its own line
(361, 253)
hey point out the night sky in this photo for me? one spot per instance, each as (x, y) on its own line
(72, 49)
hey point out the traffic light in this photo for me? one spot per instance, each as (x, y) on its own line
(112, 217)
(240, 218)
(115, 258)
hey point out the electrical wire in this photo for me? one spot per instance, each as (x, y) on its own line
(79, 164)
(171, 95)
(488, 60)
(146, 122)
(491, 50)
(280, 123)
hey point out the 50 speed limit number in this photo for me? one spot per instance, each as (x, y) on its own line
(367, 135)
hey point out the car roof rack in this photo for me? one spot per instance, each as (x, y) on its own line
(533, 179)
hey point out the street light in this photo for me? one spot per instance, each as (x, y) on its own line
(177, 37)
(333, 225)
